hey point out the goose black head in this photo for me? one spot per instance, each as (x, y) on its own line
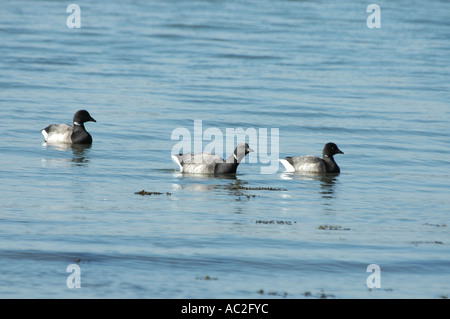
(331, 149)
(82, 116)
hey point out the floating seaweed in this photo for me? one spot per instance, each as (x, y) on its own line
(279, 222)
(258, 188)
(323, 295)
(331, 227)
(435, 225)
(143, 192)
(272, 293)
(427, 242)
(245, 196)
(207, 278)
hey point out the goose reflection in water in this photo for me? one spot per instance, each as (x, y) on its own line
(80, 153)
(195, 181)
(327, 181)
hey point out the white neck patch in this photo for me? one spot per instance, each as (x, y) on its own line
(76, 123)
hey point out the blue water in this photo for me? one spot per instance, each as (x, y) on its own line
(311, 69)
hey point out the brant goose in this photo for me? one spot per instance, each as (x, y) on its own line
(207, 163)
(64, 133)
(314, 164)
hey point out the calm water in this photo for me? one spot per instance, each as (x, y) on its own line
(312, 69)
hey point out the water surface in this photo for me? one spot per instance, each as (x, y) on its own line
(312, 69)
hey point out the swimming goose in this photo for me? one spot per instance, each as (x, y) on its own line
(64, 133)
(314, 164)
(207, 163)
